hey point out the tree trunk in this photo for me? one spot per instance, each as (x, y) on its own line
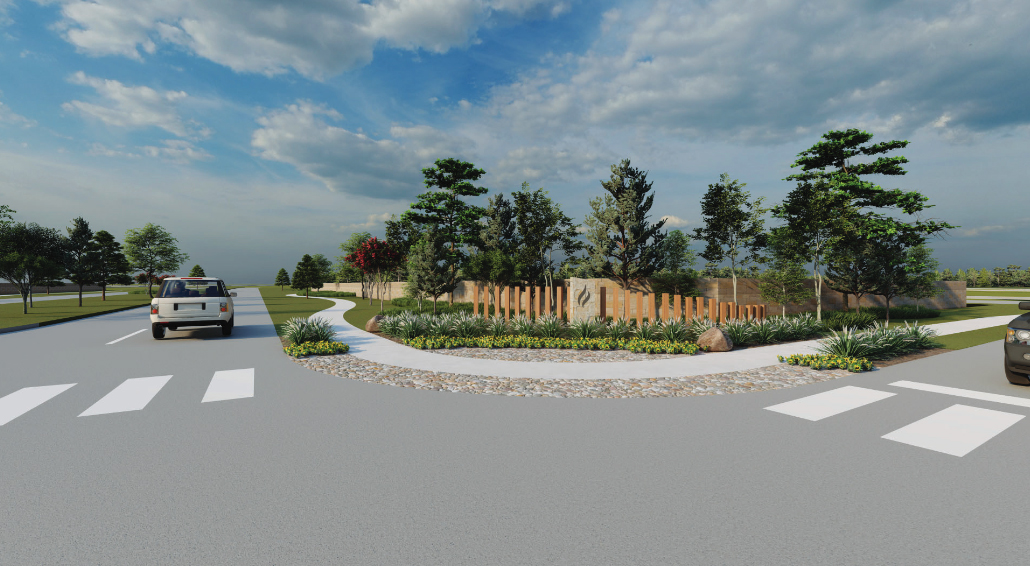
(80, 295)
(24, 301)
(103, 292)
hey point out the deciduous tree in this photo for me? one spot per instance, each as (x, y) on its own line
(734, 228)
(197, 271)
(153, 250)
(427, 267)
(784, 282)
(29, 254)
(377, 259)
(80, 258)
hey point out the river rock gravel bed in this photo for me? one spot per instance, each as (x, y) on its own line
(760, 379)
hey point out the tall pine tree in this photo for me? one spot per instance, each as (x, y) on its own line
(622, 243)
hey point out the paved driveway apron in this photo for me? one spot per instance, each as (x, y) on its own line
(315, 469)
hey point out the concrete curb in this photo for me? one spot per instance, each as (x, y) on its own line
(18, 328)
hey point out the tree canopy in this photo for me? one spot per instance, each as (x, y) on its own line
(80, 258)
(153, 250)
(112, 265)
(622, 243)
(197, 271)
(29, 254)
(282, 279)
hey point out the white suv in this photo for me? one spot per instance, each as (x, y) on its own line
(191, 301)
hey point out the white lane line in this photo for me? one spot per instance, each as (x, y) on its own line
(956, 430)
(27, 398)
(230, 384)
(967, 393)
(829, 403)
(124, 337)
(132, 395)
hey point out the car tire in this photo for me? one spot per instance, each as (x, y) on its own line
(1016, 378)
(227, 327)
(158, 331)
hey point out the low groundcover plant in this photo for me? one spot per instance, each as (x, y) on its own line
(638, 345)
(852, 349)
(316, 349)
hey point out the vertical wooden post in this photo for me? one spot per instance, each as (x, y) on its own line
(507, 303)
(676, 310)
(518, 302)
(616, 315)
(665, 306)
(731, 308)
(558, 306)
(712, 312)
(540, 301)
(475, 299)
(688, 308)
(547, 301)
(604, 303)
(627, 297)
(761, 312)
(640, 308)
(724, 310)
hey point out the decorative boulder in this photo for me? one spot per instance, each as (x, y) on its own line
(373, 323)
(715, 340)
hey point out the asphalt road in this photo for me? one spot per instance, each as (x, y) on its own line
(315, 469)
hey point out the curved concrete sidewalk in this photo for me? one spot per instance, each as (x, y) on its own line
(375, 349)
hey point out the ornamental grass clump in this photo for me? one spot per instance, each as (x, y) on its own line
(673, 330)
(523, 326)
(467, 325)
(879, 342)
(764, 331)
(619, 329)
(698, 326)
(550, 326)
(497, 326)
(299, 330)
(648, 331)
(590, 328)
(739, 331)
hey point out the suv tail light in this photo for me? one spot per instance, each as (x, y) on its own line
(224, 307)
(153, 308)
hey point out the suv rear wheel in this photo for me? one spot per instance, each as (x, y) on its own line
(1016, 378)
(158, 331)
(227, 327)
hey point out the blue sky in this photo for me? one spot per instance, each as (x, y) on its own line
(257, 130)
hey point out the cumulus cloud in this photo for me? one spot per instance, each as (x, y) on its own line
(135, 107)
(536, 163)
(373, 221)
(674, 221)
(272, 36)
(347, 161)
(99, 149)
(981, 230)
(767, 73)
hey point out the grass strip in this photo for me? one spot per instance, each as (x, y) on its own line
(972, 338)
(63, 310)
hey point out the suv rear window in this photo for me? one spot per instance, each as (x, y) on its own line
(184, 289)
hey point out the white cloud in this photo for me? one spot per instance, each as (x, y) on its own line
(101, 150)
(737, 71)
(346, 161)
(373, 221)
(674, 221)
(5, 8)
(980, 230)
(9, 117)
(135, 107)
(177, 151)
(536, 163)
(271, 36)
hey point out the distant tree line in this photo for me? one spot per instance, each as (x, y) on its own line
(33, 256)
(858, 237)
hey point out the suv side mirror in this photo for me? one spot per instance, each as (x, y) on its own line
(233, 294)
(1025, 305)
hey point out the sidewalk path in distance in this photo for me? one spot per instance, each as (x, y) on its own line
(57, 297)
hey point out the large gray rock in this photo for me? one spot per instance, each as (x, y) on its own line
(715, 340)
(373, 323)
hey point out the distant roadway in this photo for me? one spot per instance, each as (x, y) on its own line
(111, 455)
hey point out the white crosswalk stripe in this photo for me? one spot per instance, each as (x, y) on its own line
(829, 403)
(132, 395)
(957, 430)
(27, 398)
(232, 384)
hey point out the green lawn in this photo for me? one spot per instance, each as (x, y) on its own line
(49, 312)
(283, 308)
(972, 311)
(973, 337)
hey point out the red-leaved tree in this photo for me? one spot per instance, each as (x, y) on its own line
(376, 259)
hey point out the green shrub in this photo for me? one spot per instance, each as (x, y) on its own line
(316, 349)
(879, 342)
(825, 361)
(836, 320)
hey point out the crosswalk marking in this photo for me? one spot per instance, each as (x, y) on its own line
(131, 395)
(231, 384)
(27, 398)
(829, 403)
(956, 430)
(968, 393)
